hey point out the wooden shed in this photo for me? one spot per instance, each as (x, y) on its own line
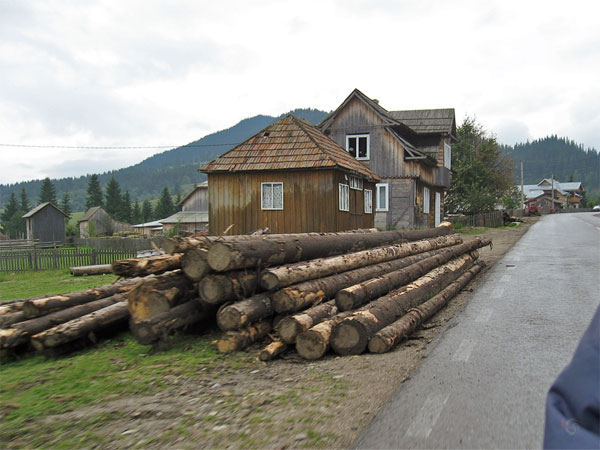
(97, 222)
(291, 178)
(45, 223)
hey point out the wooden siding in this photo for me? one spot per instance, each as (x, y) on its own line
(310, 203)
(197, 200)
(47, 225)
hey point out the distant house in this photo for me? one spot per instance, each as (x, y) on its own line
(97, 222)
(45, 223)
(291, 178)
(566, 195)
(149, 228)
(409, 150)
(193, 217)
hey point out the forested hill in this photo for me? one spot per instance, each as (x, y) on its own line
(568, 161)
(177, 168)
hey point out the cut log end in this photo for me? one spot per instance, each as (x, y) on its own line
(194, 264)
(272, 351)
(219, 257)
(269, 281)
(231, 319)
(349, 338)
(211, 290)
(288, 328)
(378, 344)
(311, 345)
(345, 301)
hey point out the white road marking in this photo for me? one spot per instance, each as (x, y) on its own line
(484, 315)
(464, 350)
(427, 417)
(511, 267)
(505, 279)
(497, 293)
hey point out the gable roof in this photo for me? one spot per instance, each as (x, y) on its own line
(90, 213)
(39, 207)
(203, 185)
(289, 144)
(428, 121)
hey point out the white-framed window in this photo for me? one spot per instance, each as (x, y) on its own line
(447, 156)
(368, 201)
(356, 183)
(382, 196)
(271, 195)
(425, 199)
(344, 197)
(358, 145)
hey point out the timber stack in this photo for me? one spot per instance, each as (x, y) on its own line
(313, 292)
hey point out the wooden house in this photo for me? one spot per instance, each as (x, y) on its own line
(552, 196)
(193, 217)
(45, 223)
(97, 222)
(409, 150)
(153, 228)
(291, 178)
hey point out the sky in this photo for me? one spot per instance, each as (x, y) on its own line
(158, 74)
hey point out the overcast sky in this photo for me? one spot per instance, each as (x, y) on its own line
(152, 73)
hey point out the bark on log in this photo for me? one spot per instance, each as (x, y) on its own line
(387, 338)
(194, 263)
(98, 269)
(181, 244)
(351, 336)
(272, 351)
(81, 327)
(159, 327)
(303, 295)
(224, 256)
(242, 313)
(314, 343)
(20, 333)
(157, 294)
(291, 326)
(354, 296)
(217, 289)
(289, 274)
(41, 306)
(10, 318)
(238, 340)
(139, 267)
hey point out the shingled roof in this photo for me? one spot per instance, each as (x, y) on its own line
(289, 144)
(427, 121)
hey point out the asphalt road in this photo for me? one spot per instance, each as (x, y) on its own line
(485, 379)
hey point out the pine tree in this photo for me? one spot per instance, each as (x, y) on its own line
(136, 213)
(113, 198)
(165, 207)
(11, 209)
(94, 193)
(147, 213)
(65, 206)
(47, 192)
(24, 206)
(126, 213)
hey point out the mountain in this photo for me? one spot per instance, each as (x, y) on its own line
(568, 161)
(177, 168)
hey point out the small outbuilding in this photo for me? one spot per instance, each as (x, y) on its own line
(97, 222)
(45, 223)
(290, 178)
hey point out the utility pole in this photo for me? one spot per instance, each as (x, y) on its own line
(552, 206)
(522, 193)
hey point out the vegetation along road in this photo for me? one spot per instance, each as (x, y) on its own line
(485, 381)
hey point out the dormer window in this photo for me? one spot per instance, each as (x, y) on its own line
(358, 146)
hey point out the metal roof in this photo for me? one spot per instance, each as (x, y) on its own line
(289, 144)
(187, 217)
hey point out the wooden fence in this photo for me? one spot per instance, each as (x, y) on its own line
(57, 258)
(490, 220)
(124, 244)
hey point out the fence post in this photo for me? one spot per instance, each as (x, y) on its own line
(35, 260)
(93, 257)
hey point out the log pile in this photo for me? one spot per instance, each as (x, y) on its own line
(348, 292)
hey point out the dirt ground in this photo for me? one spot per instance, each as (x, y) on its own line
(287, 403)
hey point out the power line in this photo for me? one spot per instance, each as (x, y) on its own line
(92, 147)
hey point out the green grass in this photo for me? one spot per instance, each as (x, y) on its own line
(32, 284)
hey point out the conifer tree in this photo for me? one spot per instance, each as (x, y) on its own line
(126, 213)
(65, 206)
(113, 199)
(24, 204)
(94, 193)
(47, 192)
(136, 213)
(10, 212)
(147, 212)
(165, 207)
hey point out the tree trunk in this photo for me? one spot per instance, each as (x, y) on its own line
(42, 306)
(98, 269)
(352, 335)
(81, 327)
(238, 340)
(217, 289)
(291, 326)
(359, 294)
(278, 277)
(194, 263)
(388, 337)
(20, 333)
(136, 267)
(159, 327)
(157, 294)
(303, 295)
(314, 343)
(242, 313)
(224, 256)
(272, 351)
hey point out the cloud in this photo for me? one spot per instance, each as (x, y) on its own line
(511, 131)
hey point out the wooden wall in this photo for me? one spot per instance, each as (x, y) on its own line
(197, 201)
(47, 225)
(310, 203)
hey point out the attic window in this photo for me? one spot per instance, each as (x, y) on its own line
(358, 145)
(267, 133)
